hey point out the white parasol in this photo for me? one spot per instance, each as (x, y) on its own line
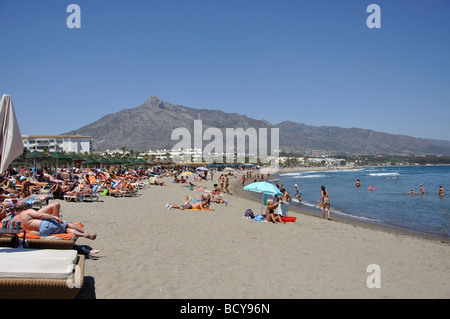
(11, 144)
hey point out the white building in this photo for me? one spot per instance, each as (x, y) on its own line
(67, 143)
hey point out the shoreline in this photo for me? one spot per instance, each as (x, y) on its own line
(357, 223)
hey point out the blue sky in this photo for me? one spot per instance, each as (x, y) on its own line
(309, 61)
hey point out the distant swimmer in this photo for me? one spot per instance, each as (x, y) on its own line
(441, 191)
(358, 183)
(422, 190)
(371, 187)
(411, 192)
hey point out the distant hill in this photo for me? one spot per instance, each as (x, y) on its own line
(150, 126)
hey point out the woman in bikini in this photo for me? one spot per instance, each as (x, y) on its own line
(326, 202)
(270, 212)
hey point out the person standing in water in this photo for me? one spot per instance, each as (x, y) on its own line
(326, 202)
(422, 190)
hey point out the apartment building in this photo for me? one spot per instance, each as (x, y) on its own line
(67, 143)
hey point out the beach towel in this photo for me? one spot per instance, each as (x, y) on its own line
(65, 236)
(282, 209)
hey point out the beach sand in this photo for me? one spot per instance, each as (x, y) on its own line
(148, 251)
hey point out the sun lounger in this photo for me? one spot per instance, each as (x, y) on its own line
(57, 241)
(81, 197)
(40, 273)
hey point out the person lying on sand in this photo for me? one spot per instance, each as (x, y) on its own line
(187, 205)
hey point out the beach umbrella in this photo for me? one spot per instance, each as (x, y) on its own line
(186, 174)
(263, 188)
(201, 168)
(11, 144)
(58, 156)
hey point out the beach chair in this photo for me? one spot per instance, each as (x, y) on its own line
(81, 197)
(40, 273)
(91, 196)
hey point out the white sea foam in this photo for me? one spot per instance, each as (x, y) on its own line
(312, 176)
(384, 174)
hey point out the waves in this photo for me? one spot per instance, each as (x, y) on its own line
(384, 174)
(391, 205)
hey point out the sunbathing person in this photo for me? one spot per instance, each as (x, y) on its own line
(270, 215)
(25, 191)
(9, 186)
(85, 191)
(187, 205)
(59, 190)
(47, 221)
(4, 194)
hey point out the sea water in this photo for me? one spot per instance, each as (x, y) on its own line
(389, 204)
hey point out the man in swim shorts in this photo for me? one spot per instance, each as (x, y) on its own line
(47, 221)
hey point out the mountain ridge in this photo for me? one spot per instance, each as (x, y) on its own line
(149, 127)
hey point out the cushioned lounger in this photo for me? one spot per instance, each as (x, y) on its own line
(40, 273)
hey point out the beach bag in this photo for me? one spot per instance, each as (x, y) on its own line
(249, 214)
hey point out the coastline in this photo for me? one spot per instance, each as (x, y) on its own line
(350, 221)
(150, 252)
(297, 210)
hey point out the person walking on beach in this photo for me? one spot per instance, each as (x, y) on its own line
(325, 202)
(221, 180)
(226, 182)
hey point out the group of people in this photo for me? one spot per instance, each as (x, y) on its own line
(422, 191)
(323, 202)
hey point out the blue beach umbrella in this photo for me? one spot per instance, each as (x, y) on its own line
(263, 188)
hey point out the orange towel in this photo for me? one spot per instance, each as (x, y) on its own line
(65, 236)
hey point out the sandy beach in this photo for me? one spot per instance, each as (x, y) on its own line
(148, 251)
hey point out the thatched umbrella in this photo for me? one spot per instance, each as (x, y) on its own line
(59, 156)
(35, 155)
